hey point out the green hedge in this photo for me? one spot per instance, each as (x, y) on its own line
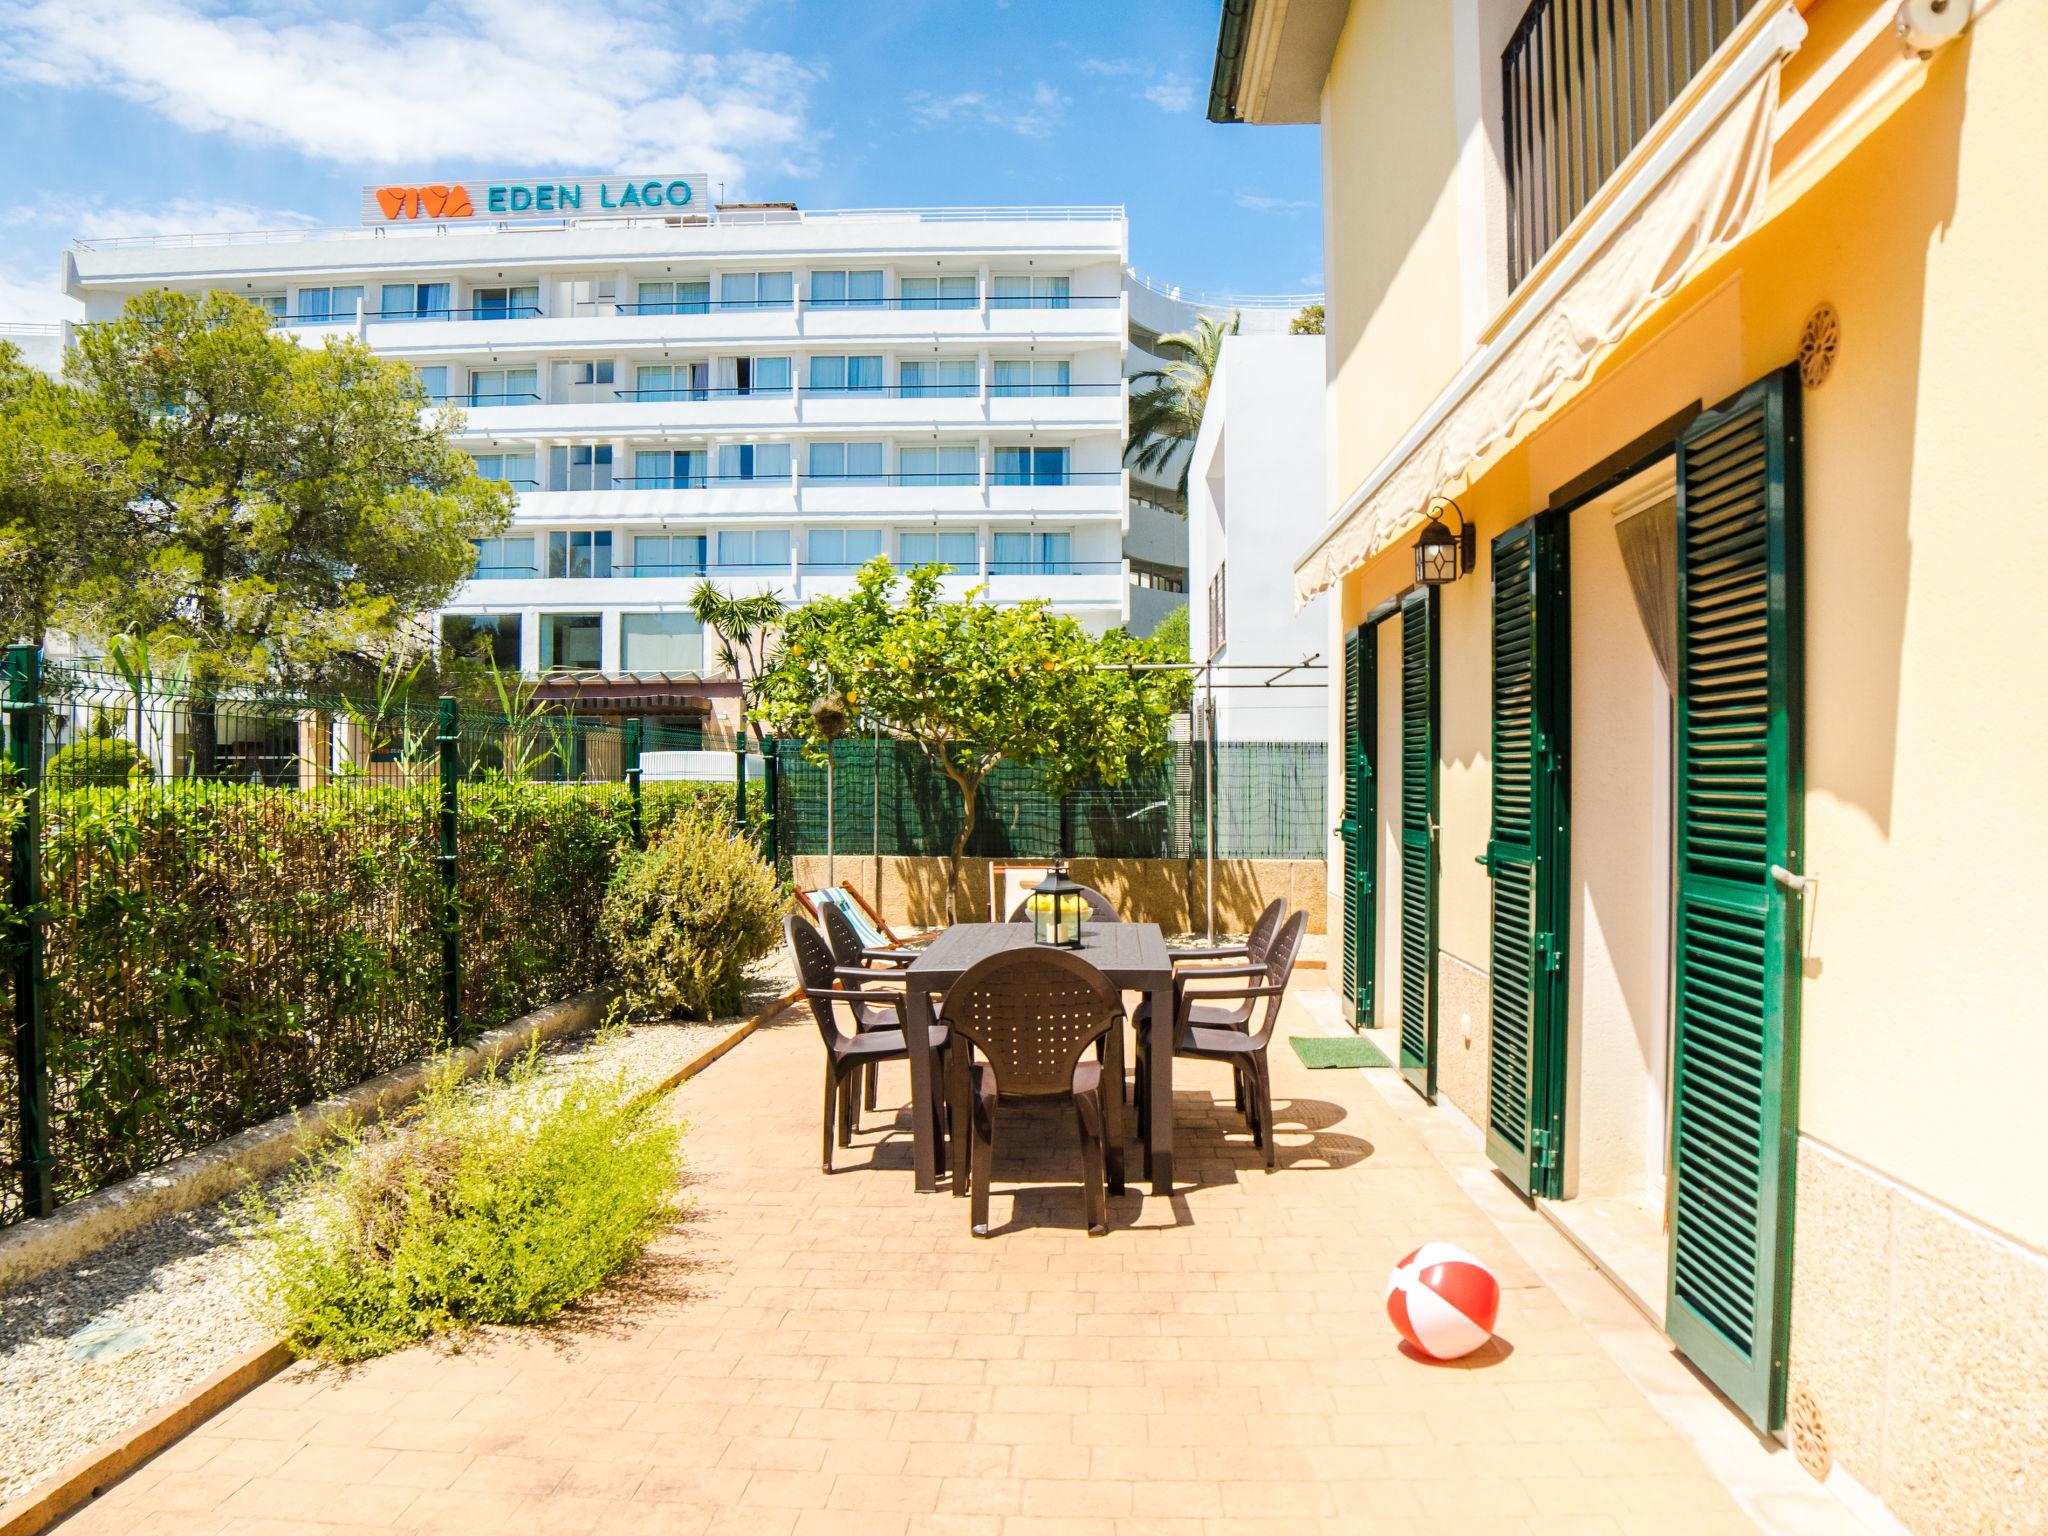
(219, 954)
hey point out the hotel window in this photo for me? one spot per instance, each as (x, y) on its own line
(503, 559)
(594, 295)
(672, 381)
(847, 463)
(1158, 580)
(846, 375)
(580, 467)
(571, 642)
(661, 642)
(434, 381)
(753, 461)
(1029, 466)
(1033, 554)
(690, 298)
(751, 375)
(1021, 290)
(516, 469)
(580, 553)
(666, 554)
(512, 303)
(938, 466)
(847, 290)
(761, 549)
(332, 304)
(504, 386)
(1020, 376)
(275, 305)
(668, 469)
(937, 292)
(849, 548)
(585, 382)
(413, 301)
(491, 637)
(755, 290)
(954, 549)
(942, 377)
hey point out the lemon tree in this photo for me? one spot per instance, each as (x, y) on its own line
(971, 685)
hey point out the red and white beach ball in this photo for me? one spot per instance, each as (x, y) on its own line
(1443, 1301)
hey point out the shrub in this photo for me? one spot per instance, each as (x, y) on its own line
(219, 954)
(685, 917)
(95, 761)
(502, 1202)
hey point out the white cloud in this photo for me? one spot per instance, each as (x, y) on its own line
(461, 82)
(1260, 202)
(38, 300)
(1109, 66)
(92, 218)
(1172, 94)
(1035, 118)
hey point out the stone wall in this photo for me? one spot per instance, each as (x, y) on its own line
(1169, 892)
(1919, 1353)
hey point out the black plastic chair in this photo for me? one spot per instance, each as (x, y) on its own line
(1218, 1026)
(1032, 1013)
(850, 958)
(878, 1025)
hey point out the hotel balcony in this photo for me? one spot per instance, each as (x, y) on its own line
(1081, 407)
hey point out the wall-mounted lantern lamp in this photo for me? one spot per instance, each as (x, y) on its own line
(1442, 556)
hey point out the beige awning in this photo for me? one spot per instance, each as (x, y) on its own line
(1695, 187)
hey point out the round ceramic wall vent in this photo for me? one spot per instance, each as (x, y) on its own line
(1809, 1435)
(1818, 344)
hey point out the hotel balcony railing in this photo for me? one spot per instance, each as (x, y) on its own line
(517, 485)
(675, 392)
(1064, 477)
(487, 397)
(687, 482)
(602, 307)
(895, 477)
(1581, 83)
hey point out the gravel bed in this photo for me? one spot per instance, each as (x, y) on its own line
(90, 1349)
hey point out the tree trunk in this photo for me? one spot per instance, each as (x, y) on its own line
(203, 726)
(967, 786)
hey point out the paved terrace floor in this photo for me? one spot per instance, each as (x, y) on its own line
(837, 1354)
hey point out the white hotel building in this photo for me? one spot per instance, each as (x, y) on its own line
(759, 394)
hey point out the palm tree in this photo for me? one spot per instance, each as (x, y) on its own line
(746, 628)
(1168, 412)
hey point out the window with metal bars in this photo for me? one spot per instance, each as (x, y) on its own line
(1582, 81)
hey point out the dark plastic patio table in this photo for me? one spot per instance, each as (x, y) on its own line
(1133, 955)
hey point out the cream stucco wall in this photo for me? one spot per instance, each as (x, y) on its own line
(1390, 237)
(1921, 1241)
(1925, 820)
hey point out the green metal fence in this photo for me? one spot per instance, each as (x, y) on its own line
(217, 905)
(888, 796)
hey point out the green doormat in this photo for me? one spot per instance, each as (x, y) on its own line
(1321, 1051)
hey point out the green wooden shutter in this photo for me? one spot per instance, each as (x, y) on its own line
(1360, 676)
(1526, 856)
(1418, 840)
(1738, 809)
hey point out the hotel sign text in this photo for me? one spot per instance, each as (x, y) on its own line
(591, 197)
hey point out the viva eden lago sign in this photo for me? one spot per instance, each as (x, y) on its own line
(598, 197)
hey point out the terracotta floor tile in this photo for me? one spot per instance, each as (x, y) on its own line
(848, 1361)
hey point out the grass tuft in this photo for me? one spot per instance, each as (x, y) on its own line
(502, 1201)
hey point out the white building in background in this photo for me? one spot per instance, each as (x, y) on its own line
(1156, 540)
(41, 345)
(1255, 498)
(759, 394)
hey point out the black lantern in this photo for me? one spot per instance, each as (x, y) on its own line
(1442, 556)
(1056, 906)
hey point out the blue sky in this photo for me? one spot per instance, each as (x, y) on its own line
(140, 116)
